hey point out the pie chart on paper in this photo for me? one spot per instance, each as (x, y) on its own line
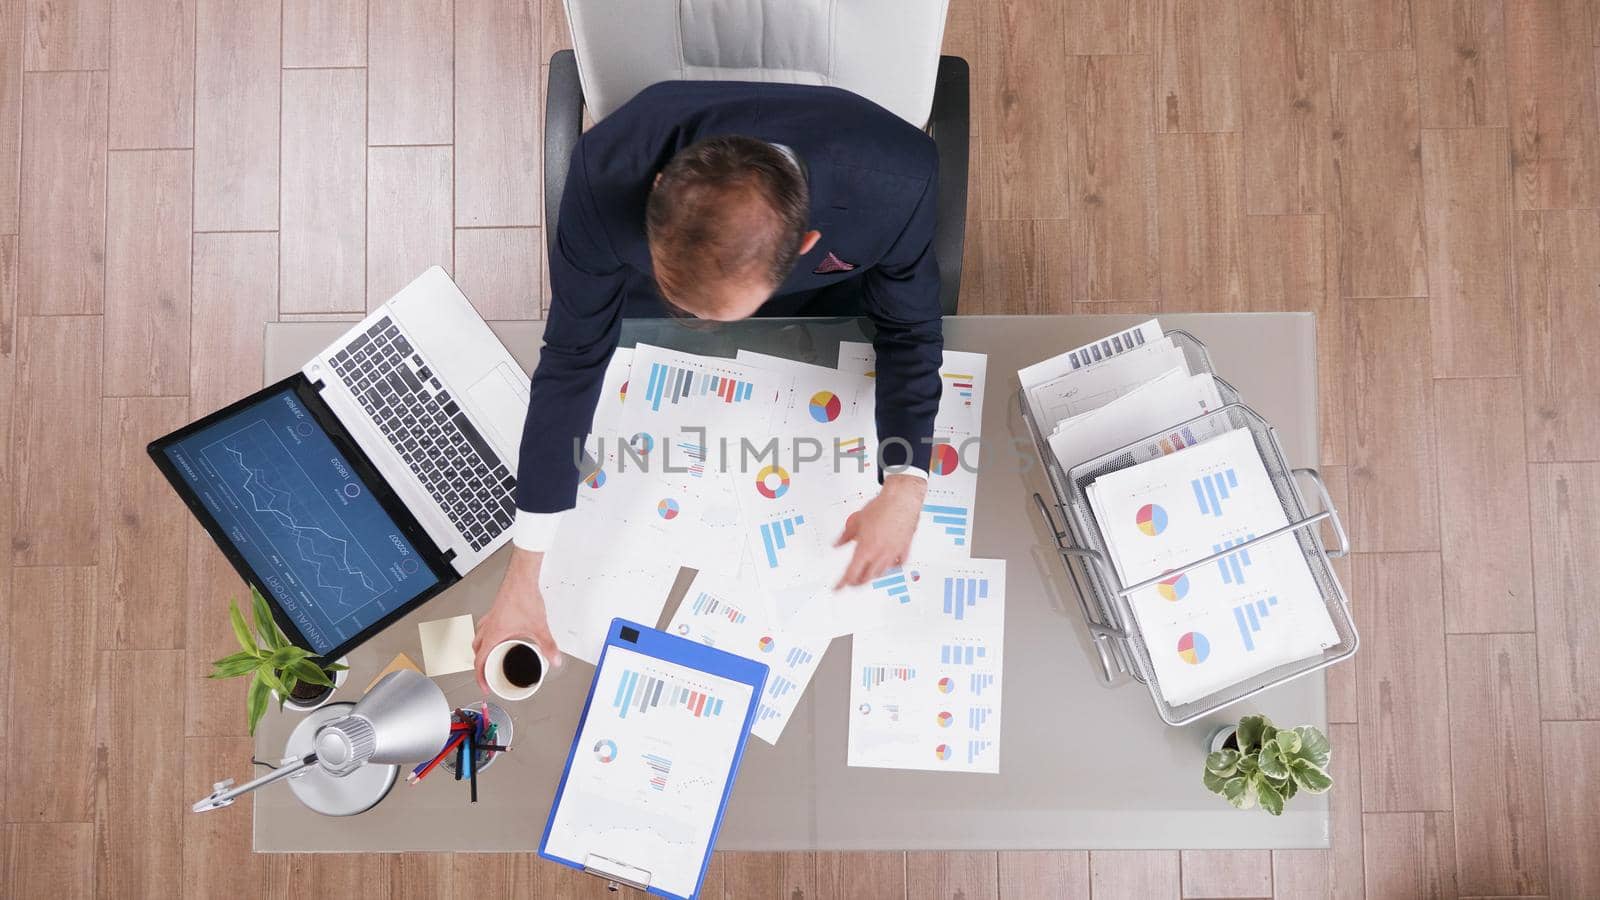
(1193, 648)
(825, 406)
(1174, 588)
(667, 509)
(1151, 519)
(944, 460)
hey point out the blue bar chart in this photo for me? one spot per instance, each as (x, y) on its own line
(642, 693)
(765, 712)
(1211, 490)
(978, 716)
(980, 682)
(953, 519)
(1248, 617)
(797, 657)
(872, 676)
(976, 747)
(963, 654)
(775, 535)
(894, 585)
(671, 384)
(694, 458)
(1233, 565)
(660, 767)
(780, 687)
(707, 605)
(962, 594)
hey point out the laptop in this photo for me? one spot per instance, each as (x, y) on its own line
(372, 479)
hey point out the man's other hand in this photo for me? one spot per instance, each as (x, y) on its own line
(882, 529)
(517, 614)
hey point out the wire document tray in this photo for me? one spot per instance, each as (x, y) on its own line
(1113, 630)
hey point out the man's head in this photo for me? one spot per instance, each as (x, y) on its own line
(726, 219)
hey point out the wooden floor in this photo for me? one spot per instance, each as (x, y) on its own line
(1424, 174)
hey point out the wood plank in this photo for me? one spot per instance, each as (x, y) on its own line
(1405, 727)
(1019, 268)
(1372, 24)
(1566, 542)
(1111, 175)
(861, 876)
(1022, 172)
(152, 74)
(52, 859)
(1571, 782)
(143, 555)
(1046, 873)
(141, 804)
(1197, 66)
(1302, 875)
(1227, 873)
(352, 874)
(423, 876)
(63, 193)
(1345, 864)
(477, 875)
(148, 230)
(1343, 694)
(217, 861)
(238, 275)
(408, 217)
(67, 34)
(8, 365)
(1557, 267)
(1146, 308)
(55, 495)
(1496, 763)
(1410, 855)
(410, 63)
(951, 873)
(1483, 507)
(497, 115)
(53, 660)
(1288, 109)
(498, 270)
(1202, 223)
(1394, 503)
(1555, 136)
(1465, 176)
(1287, 268)
(1134, 874)
(324, 191)
(1461, 62)
(768, 874)
(1377, 175)
(1102, 27)
(554, 33)
(236, 115)
(11, 14)
(324, 33)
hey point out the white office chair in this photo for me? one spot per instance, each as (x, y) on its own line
(884, 50)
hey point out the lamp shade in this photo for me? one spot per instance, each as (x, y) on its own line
(403, 719)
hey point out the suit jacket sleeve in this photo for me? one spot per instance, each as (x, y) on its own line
(587, 283)
(902, 298)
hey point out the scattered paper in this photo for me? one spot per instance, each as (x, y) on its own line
(446, 645)
(1095, 385)
(727, 614)
(925, 690)
(1158, 410)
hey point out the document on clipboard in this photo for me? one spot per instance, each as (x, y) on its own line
(653, 762)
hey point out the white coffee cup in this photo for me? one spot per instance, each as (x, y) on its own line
(502, 683)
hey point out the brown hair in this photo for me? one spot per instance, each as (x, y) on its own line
(736, 206)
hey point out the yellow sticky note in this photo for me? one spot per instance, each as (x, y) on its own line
(446, 645)
(400, 661)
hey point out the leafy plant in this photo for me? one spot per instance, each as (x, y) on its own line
(1270, 766)
(273, 664)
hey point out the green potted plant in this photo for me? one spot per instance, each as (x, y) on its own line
(275, 666)
(1258, 763)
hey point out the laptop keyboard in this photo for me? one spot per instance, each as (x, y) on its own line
(425, 424)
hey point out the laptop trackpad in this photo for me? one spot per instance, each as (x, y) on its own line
(501, 400)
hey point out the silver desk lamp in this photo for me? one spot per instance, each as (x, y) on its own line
(343, 758)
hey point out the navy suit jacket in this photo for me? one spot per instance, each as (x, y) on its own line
(873, 184)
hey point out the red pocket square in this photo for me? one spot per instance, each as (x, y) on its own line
(831, 264)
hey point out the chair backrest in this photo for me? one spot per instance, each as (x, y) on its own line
(884, 50)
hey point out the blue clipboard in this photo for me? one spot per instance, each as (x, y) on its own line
(672, 649)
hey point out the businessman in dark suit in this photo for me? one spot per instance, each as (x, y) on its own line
(724, 200)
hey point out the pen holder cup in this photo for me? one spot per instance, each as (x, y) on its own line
(501, 720)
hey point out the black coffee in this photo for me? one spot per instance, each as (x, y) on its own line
(521, 666)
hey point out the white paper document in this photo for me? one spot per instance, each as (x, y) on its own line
(727, 614)
(587, 583)
(1154, 410)
(1090, 353)
(1096, 385)
(1250, 611)
(925, 689)
(646, 780)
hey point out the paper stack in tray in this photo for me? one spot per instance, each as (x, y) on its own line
(746, 469)
(1182, 489)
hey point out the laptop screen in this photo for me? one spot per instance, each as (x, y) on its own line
(296, 510)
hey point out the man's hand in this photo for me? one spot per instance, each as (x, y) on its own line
(882, 529)
(518, 613)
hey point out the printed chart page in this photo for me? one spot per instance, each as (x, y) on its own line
(650, 768)
(925, 691)
(726, 613)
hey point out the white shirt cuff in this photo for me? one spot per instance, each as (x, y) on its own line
(535, 531)
(911, 470)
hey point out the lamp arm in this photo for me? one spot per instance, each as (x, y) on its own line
(224, 793)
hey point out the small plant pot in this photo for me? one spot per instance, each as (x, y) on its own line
(307, 697)
(1224, 738)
